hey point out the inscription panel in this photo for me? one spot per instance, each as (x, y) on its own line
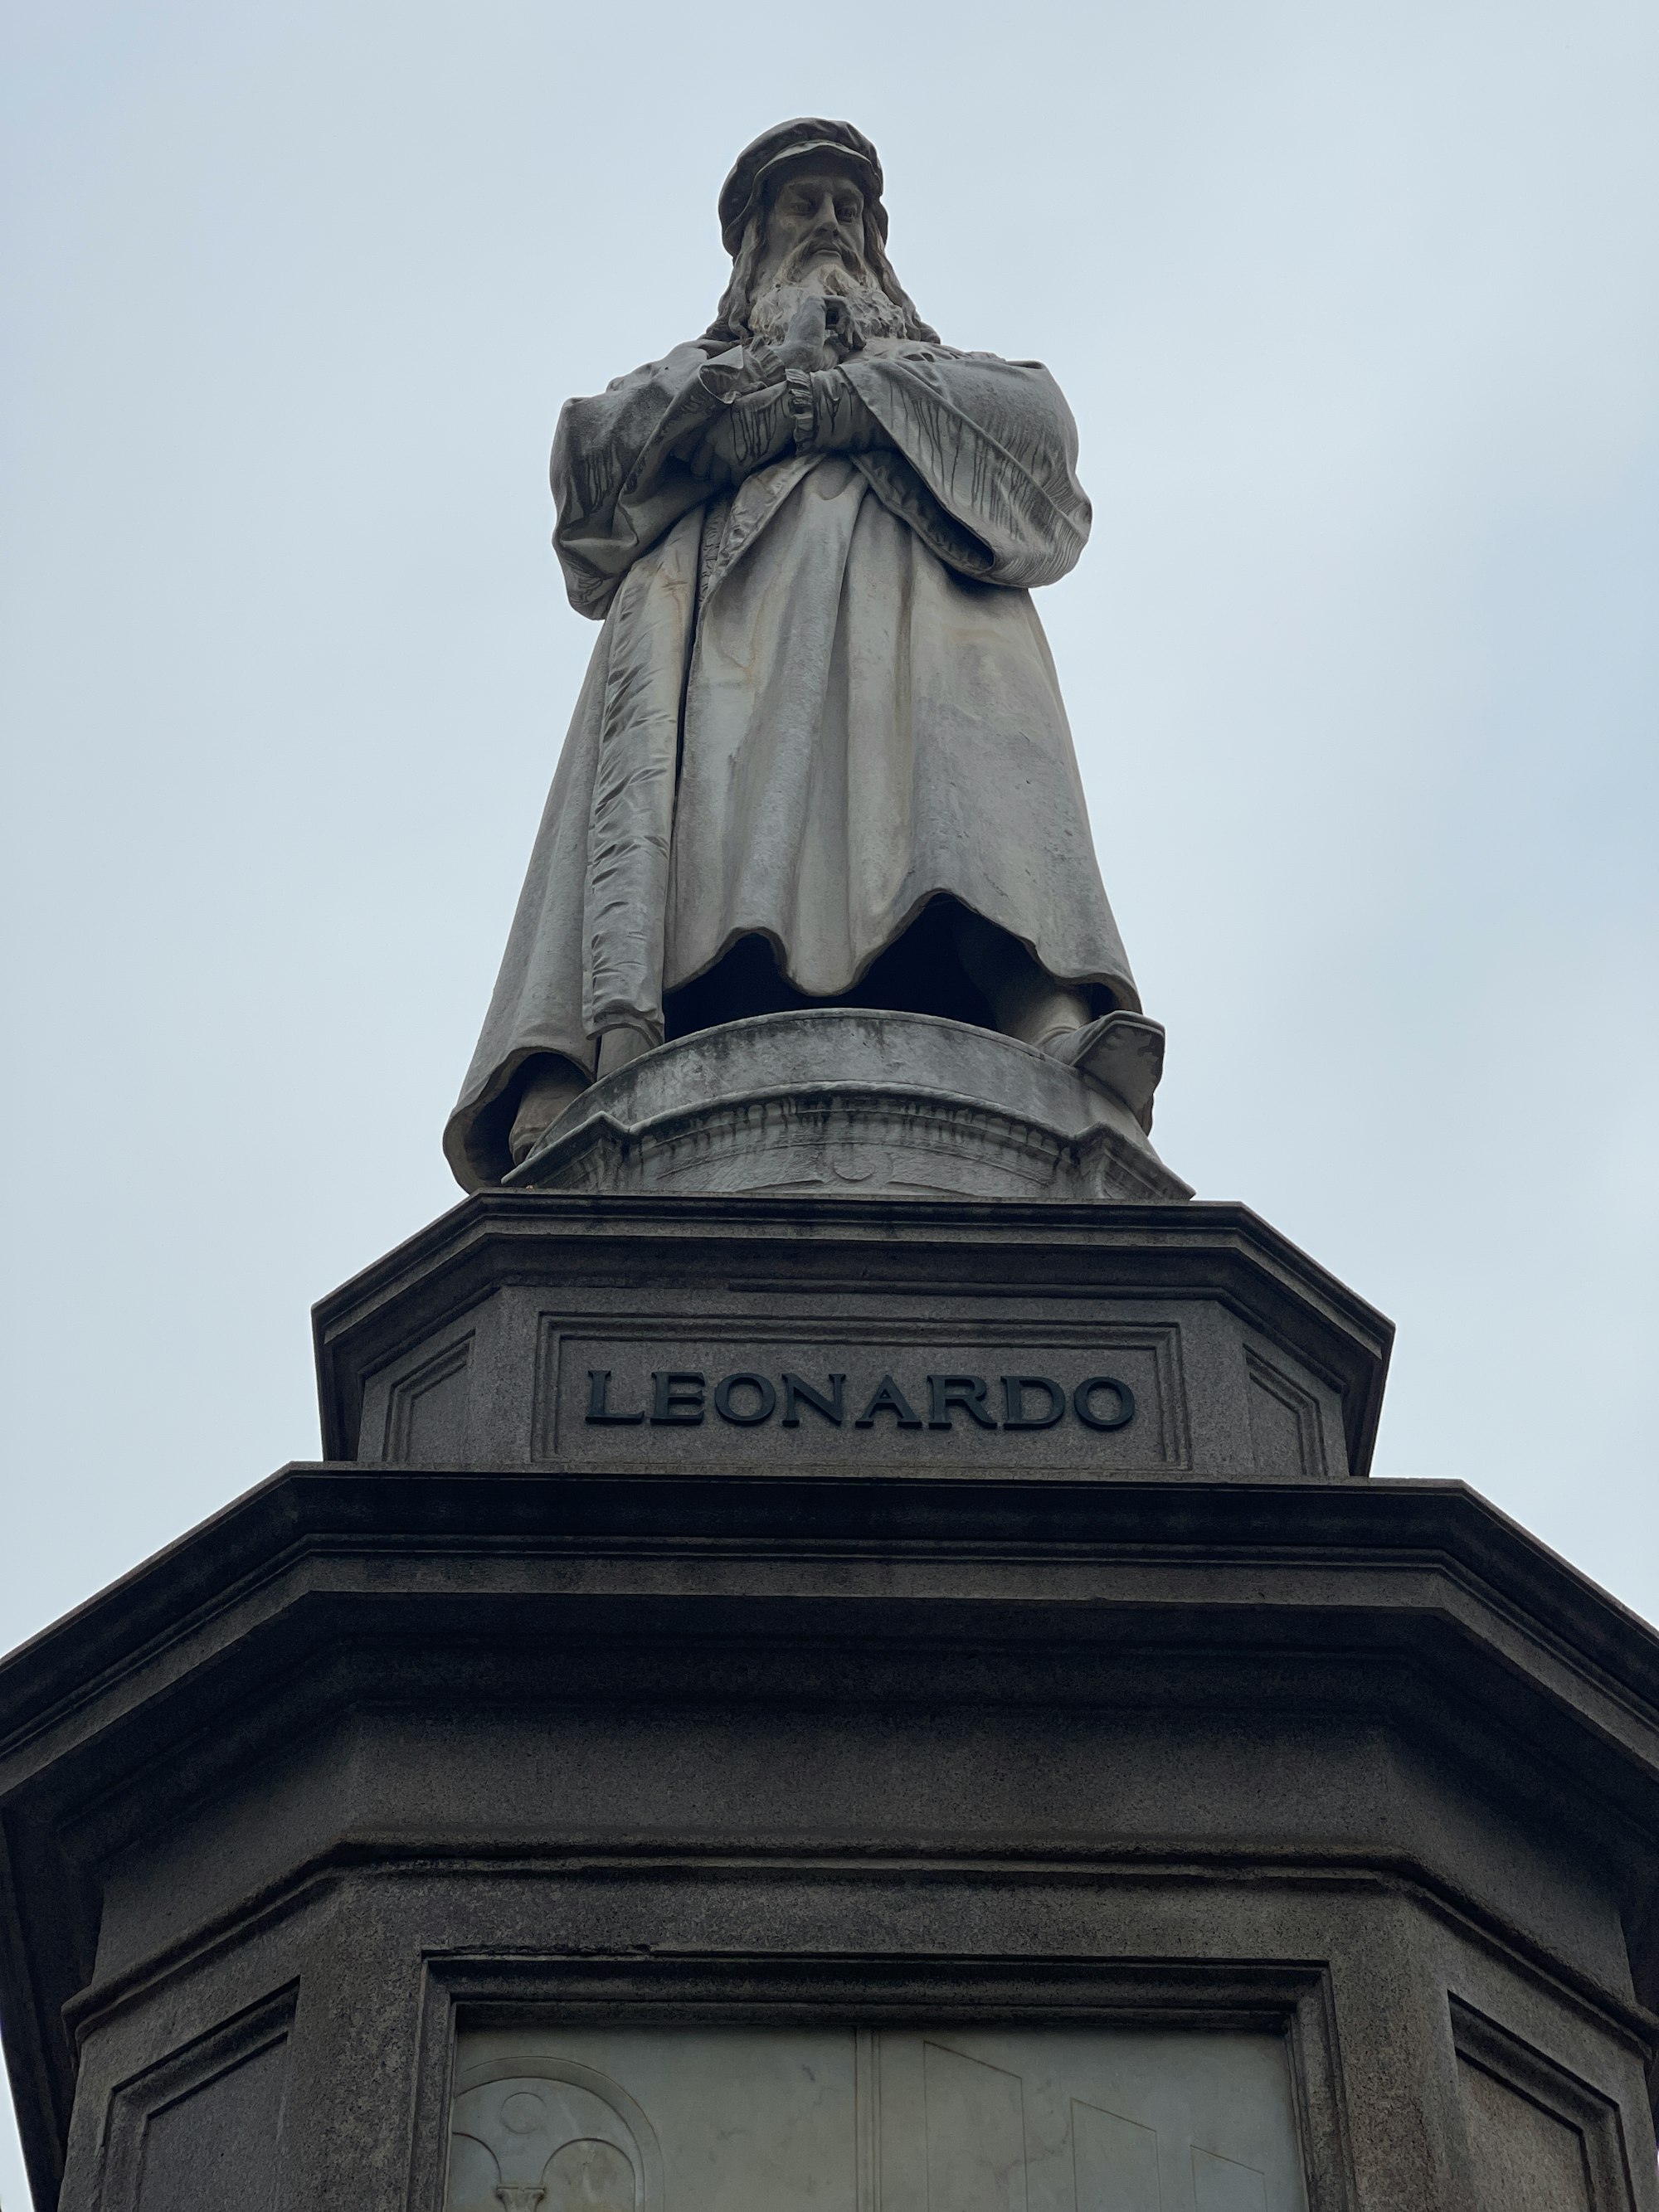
(739, 1390)
(844, 2119)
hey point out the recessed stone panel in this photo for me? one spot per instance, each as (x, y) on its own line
(200, 2131)
(1526, 2159)
(943, 1396)
(1539, 2138)
(1286, 1430)
(427, 1410)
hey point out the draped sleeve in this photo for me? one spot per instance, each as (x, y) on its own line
(982, 465)
(618, 484)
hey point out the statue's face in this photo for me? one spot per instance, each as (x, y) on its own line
(816, 222)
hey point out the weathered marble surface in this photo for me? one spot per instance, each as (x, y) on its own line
(843, 1103)
(821, 699)
(602, 2119)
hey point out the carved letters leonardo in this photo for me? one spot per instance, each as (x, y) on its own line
(681, 1397)
(1116, 1399)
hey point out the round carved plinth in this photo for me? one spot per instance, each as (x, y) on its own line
(844, 1101)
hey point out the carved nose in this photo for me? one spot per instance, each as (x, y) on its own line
(519, 2196)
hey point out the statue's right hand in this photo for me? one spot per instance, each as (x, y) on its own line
(803, 345)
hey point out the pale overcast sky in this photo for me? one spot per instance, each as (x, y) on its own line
(1358, 307)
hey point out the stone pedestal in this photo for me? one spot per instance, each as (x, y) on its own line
(1082, 1792)
(540, 1329)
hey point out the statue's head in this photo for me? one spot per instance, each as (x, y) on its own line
(801, 212)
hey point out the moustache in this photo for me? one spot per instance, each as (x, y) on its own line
(817, 249)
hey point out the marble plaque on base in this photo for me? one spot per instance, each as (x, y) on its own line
(843, 2119)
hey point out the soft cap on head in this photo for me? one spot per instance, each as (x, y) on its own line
(788, 141)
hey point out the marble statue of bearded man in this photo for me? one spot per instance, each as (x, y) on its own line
(820, 757)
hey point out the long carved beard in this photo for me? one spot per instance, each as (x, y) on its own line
(869, 310)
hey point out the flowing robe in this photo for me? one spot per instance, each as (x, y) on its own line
(816, 703)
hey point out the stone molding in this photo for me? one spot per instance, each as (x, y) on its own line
(329, 1593)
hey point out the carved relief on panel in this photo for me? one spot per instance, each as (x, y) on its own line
(537, 2134)
(839, 2120)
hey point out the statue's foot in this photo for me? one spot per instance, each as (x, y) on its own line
(1121, 1052)
(554, 1083)
(619, 1046)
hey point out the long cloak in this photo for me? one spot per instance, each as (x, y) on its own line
(814, 705)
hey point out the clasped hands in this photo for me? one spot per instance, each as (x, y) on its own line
(758, 423)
